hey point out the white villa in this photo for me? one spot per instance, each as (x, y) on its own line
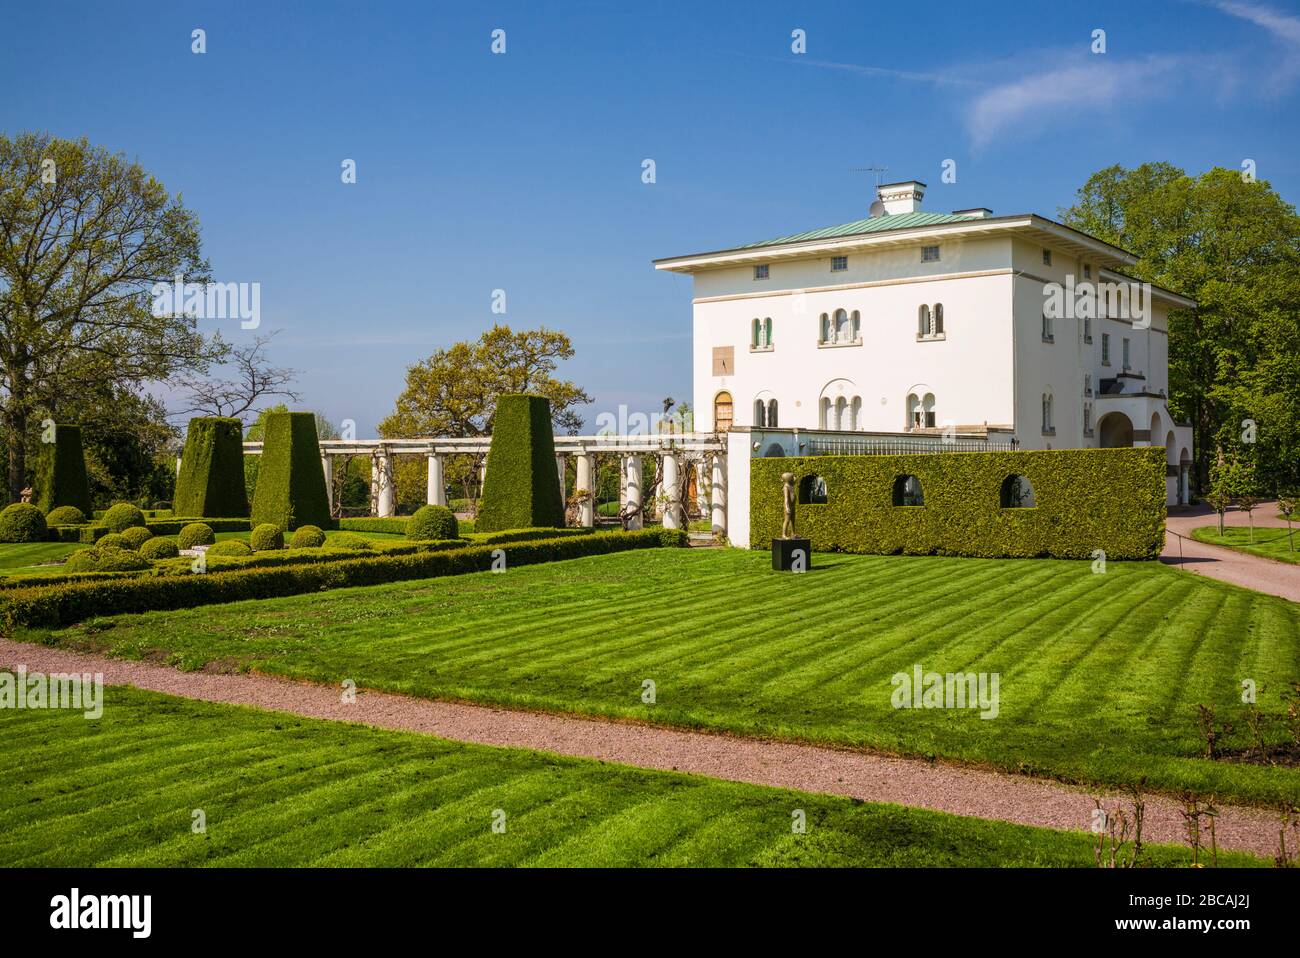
(937, 325)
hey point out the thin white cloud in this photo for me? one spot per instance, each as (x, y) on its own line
(938, 79)
(1285, 28)
(1038, 99)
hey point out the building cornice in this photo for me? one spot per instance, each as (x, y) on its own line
(1029, 225)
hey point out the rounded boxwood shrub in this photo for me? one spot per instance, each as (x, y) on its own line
(22, 522)
(120, 560)
(195, 534)
(231, 547)
(123, 516)
(83, 560)
(114, 540)
(266, 538)
(136, 536)
(432, 522)
(106, 559)
(65, 516)
(160, 547)
(307, 537)
(351, 542)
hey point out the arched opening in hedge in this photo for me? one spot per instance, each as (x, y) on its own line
(1017, 493)
(812, 491)
(908, 492)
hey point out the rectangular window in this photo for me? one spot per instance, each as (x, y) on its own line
(760, 272)
(1047, 328)
(839, 263)
(1127, 353)
(1087, 330)
(1047, 257)
(929, 254)
(1087, 271)
(1087, 417)
(1105, 348)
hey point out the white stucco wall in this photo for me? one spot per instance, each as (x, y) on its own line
(969, 371)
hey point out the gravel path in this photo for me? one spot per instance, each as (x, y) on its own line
(876, 778)
(1229, 565)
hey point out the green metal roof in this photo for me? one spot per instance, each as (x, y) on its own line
(875, 224)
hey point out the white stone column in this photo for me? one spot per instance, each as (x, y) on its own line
(561, 471)
(702, 484)
(586, 480)
(672, 515)
(381, 484)
(632, 471)
(327, 468)
(437, 491)
(718, 494)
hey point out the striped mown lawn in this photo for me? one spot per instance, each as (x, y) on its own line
(1100, 674)
(275, 790)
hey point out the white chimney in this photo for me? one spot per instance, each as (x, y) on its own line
(900, 198)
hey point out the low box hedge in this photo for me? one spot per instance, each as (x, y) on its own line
(92, 533)
(1086, 499)
(68, 602)
(395, 524)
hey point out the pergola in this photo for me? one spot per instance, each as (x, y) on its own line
(707, 449)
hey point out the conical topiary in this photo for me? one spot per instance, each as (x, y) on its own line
(61, 471)
(523, 486)
(290, 488)
(211, 480)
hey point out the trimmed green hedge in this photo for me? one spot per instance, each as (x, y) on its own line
(1086, 499)
(522, 490)
(394, 524)
(61, 472)
(211, 480)
(89, 534)
(65, 603)
(290, 488)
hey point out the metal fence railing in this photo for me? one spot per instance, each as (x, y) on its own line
(834, 446)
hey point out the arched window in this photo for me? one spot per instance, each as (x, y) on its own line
(771, 414)
(920, 411)
(767, 331)
(855, 413)
(760, 413)
(855, 327)
(840, 418)
(1017, 493)
(826, 329)
(812, 491)
(1048, 421)
(755, 334)
(923, 320)
(841, 326)
(824, 420)
(722, 412)
(907, 491)
(938, 319)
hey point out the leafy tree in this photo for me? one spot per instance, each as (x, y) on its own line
(84, 235)
(1234, 246)
(454, 392)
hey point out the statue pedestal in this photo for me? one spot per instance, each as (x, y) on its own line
(786, 552)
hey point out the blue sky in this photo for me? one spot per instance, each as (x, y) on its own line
(522, 171)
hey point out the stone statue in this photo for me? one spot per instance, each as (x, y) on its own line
(787, 524)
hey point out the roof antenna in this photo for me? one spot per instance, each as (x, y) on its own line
(877, 207)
